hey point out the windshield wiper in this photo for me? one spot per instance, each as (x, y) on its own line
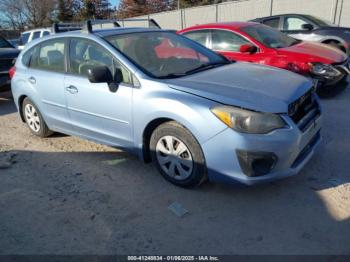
(172, 75)
(206, 67)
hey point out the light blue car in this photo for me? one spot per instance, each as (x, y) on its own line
(196, 115)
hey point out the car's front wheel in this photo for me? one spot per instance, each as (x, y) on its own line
(177, 155)
(34, 119)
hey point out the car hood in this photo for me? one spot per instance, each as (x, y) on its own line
(255, 87)
(315, 52)
(8, 53)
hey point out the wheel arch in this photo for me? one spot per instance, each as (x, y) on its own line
(20, 103)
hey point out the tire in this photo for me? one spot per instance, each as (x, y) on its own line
(177, 155)
(34, 119)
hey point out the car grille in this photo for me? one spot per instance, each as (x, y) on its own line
(304, 111)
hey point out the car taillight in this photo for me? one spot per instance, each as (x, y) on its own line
(12, 72)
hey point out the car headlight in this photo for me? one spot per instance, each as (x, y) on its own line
(246, 121)
(324, 70)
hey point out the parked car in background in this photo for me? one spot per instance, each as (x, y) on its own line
(8, 54)
(158, 100)
(257, 43)
(28, 36)
(310, 28)
(15, 42)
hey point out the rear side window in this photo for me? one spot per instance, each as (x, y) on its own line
(198, 36)
(293, 23)
(50, 56)
(25, 38)
(273, 22)
(227, 41)
(36, 35)
(46, 33)
(85, 54)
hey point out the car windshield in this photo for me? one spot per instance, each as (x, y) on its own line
(165, 54)
(270, 37)
(319, 21)
(4, 43)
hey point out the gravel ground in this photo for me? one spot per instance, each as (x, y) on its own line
(63, 195)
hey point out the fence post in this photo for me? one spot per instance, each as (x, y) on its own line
(182, 18)
(340, 12)
(335, 11)
(271, 7)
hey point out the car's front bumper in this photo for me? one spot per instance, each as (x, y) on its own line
(292, 147)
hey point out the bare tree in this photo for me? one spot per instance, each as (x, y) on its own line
(26, 13)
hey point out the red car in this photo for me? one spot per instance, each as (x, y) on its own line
(257, 43)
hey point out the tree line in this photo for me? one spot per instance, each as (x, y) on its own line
(26, 14)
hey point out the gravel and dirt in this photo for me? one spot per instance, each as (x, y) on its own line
(63, 195)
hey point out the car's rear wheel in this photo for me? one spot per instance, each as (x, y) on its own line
(34, 119)
(177, 155)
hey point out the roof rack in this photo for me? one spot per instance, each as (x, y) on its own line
(65, 27)
(87, 26)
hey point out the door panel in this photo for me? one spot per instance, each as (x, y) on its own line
(98, 113)
(95, 111)
(46, 75)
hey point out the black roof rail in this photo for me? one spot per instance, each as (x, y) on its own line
(87, 26)
(64, 27)
(116, 22)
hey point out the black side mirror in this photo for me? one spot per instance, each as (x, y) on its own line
(102, 74)
(307, 27)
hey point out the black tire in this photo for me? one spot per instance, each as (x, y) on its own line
(198, 174)
(43, 130)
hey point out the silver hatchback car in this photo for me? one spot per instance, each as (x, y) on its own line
(171, 101)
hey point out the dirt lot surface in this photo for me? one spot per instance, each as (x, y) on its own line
(63, 195)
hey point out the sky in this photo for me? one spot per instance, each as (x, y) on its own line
(115, 2)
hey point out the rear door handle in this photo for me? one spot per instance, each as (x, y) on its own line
(32, 80)
(72, 89)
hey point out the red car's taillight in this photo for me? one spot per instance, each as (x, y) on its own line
(12, 72)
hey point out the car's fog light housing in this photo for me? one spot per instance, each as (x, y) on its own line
(255, 164)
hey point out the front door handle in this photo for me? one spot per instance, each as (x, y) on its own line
(72, 89)
(32, 80)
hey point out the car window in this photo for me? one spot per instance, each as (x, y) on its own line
(85, 54)
(46, 33)
(165, 54)
(272, 22)
(50, 56)
(198, 36)
(227, 41)
(25, 38)
(36, 35)
(293, 23)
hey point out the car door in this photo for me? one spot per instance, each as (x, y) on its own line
(45, 74)
(95, 111)
(292, 25)
(228, 43)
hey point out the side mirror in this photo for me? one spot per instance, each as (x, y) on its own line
(248, 48)
(307, 27)
(102, 74)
